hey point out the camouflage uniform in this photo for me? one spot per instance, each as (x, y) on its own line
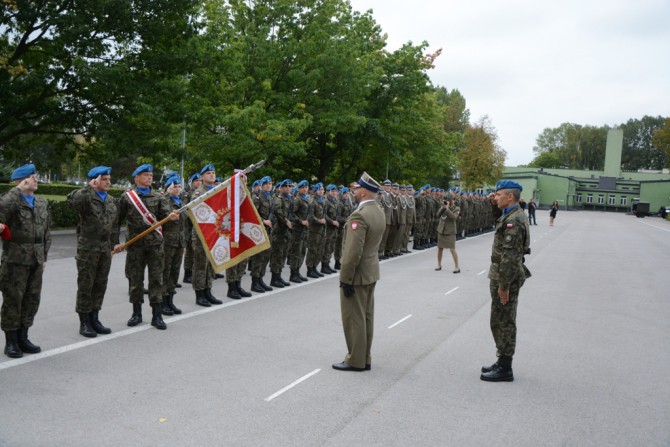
(300, 209)
(508, 272)
(97, 233)
(330, 210)
(188, 242)
(174, 241)
(148, 251)
(23, 258)
(281, 235)
(202, 271)
(265, 206)
(316, 233)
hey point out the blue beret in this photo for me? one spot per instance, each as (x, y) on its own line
(331, 187)
(508, 184)
(303, 183)
(206, 168)
(143, 168)
(288, 181)
(280, 184)
(316, 187)
(218, 180)
(23, 172)
(344, 190)
(194, 177)
(98, 171)
(255, 183)
(266, 179)
(173, 179)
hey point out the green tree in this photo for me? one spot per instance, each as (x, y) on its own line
(546, 159)
(661, 140)
(639, 150)
(481, 160)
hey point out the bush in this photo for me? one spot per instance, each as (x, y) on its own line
(57, 189)
(62, 216)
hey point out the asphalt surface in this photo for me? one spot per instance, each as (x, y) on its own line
(589, 370)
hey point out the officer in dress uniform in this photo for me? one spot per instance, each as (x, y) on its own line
(386, 201)
(141, 206)
(174, 241)
(359, 274)
(96, 235)
(507, 274)
(26, 241)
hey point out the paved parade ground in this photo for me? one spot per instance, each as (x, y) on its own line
(590, 368)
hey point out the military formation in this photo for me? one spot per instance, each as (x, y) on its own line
(305, 223)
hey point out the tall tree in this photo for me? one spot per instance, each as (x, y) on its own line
(661, 140)
(639, 151)
(481, 161)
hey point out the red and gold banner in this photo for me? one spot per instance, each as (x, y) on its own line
(228, 224)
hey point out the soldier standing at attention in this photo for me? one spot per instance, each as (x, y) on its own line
(24, 257)
(386, 201)
(265, 207)
(203, 272)
(143, 207)
(298, 217)
(330, 210)
(196, 181)
(507, 274)
(97, 233)
(317, 225)
(281, 233)
(173, 246)
(345, 208)
(359, 274)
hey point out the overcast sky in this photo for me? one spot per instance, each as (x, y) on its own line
(534, 64)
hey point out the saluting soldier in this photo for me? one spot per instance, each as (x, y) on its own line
(344, 210)
(300, 209)
(203, 272)
(265, 207)
(317, 229)
(26, 241)
(507, 275)
(174, 241)
(142, 207)
(330, 210)
(359, 274)
(195, 182)
(281, 233)
(97, 233)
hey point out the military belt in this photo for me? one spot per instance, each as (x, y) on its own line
(26, 240)
(95, 238)
(495, 259)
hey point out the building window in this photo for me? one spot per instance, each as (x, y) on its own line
(601, 199)
(589, 198)
(578, 198)
(611, 200)
(624, 200)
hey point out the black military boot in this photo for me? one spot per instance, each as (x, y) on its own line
(200, 299)
(156, 317)
(486, 369)
(136, 318)
(24, 344)
(295, 277)
(502, 371)
(286, 283)
(170, 301)
(232, 291)
(276, 281)
(85, 328)
(312, 273)
(219, 276)
(188, 276)
(97, 325)
(263, 285)
(243, 293)
(165, 308)
(325, 268)
(211, 298)
(256, 285)
(12, 345)
(337, 265)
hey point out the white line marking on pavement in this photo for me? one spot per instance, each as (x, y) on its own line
(399, 321)
(654, 226)
(452, 290)
(481, 273)
(286, 388)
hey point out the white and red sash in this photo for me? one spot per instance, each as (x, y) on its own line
(141, 208)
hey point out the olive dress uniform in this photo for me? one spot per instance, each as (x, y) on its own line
(363, 234)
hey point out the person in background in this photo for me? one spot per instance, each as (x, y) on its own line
(553, 212)
(532, 206)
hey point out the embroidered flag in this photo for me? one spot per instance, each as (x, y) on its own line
(228, 224)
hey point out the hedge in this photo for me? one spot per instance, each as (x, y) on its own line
(58, 189)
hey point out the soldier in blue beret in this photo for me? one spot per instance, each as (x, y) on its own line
(316, 233)
(506, 275)
(195, 181)
(174, 241)
(96, 237)
(141, 206)
(299, 211)
(259, 262)
(280, 237)
(24, 256)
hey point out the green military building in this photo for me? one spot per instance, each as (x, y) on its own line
(608, 190)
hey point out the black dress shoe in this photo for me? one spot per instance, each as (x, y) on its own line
(346, 367)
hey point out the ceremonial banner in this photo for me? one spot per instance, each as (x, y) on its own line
(228, 224)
